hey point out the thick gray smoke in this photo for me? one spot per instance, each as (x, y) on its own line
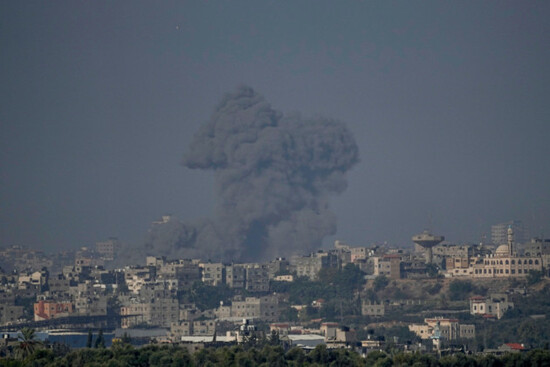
(273, 178)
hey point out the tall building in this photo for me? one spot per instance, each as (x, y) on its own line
(108, 249)
(499, 232)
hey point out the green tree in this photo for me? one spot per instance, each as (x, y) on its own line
(320, 355)
(27, 342)
(460, 289)
(374, 357)
(274, 338)
(534, 277)
(380, 282)
(126, 338)
(348, 280)
(89, 339)
(100, 341)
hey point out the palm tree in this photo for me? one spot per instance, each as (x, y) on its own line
(27, 342)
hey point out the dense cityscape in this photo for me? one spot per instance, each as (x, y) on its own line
(432, 297)
(274, 183)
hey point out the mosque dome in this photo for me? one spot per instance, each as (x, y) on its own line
(502, 250)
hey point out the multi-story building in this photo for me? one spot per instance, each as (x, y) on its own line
(264, 308)
(447, 329)
(9, 314)
(212, 273)
(310, 266)
(501, 265)
(414, 268)
(35, 280)
(359, 253)
(499, 232)
(257, 277)
(278, 266)
(91, 305)
(46, 310)
(192, 328)
(108, 250)
(495, 305)
(186, 271)
(539, 248)
(189, 312)
(161, 311)
(135, 313)
(86, 257)
(136, 277)
(444, 250)
(235, 276)
(460, 266)
(388, 265)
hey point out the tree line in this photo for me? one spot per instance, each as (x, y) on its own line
(123, 354)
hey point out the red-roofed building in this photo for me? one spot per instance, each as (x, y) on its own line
(512, 347)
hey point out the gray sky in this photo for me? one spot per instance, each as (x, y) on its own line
(448, 102)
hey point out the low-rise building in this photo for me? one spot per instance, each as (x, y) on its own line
(495, 305)
(192, 328)
(369, 308)
(284, 278)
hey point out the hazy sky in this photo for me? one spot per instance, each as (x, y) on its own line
(448, 102)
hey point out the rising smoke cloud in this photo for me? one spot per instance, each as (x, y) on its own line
(273, 176)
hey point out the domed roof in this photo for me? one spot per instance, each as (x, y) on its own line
(502, 250)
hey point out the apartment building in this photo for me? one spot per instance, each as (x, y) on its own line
(46, 310)
(444, 328)
(264, 308)
(212, 273)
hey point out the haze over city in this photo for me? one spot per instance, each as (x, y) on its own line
(446, 106)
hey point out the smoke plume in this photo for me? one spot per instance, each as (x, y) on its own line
(273, 176)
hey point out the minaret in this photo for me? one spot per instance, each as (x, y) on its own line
(510, 241)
